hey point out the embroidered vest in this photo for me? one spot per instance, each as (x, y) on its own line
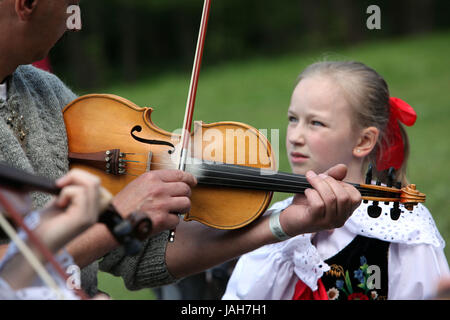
(359, 271)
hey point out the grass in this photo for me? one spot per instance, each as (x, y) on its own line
(257, 92)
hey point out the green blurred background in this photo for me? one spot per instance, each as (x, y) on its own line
(143, 50)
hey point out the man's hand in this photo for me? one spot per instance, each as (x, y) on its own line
(325, 207)
(160, 194)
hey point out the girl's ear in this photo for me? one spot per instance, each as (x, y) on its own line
(25, 8)
(366, 142)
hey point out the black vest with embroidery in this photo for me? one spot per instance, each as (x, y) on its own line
(359, 271)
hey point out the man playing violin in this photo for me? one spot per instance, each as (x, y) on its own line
(33, 138)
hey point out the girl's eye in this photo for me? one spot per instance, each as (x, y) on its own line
(292, 119)
(317, 123)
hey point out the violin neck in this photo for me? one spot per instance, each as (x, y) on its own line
(22, 181)
(235, 176)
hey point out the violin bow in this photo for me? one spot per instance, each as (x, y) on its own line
(189, 113)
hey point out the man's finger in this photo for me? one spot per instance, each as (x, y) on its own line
(179, 189)
(179, 205)
(177, 176)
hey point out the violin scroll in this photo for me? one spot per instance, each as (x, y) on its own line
(410, 197)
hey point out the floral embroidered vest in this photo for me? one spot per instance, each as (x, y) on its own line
(359, 271)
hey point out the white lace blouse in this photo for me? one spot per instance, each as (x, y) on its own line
(416, 258)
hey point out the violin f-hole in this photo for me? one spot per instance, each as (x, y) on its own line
(146, 141)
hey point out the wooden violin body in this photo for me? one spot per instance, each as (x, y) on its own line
(115, 139)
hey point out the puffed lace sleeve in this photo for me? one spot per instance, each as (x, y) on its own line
(415, 270)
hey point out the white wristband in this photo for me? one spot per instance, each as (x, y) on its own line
(275, 227)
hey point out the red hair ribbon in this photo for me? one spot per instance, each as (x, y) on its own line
(392, 153)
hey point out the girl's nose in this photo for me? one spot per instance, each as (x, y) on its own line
(296, 135)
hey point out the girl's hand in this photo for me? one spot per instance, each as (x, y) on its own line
(325, 207)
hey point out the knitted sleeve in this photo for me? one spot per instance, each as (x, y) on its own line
(145, 270)
(48, 85)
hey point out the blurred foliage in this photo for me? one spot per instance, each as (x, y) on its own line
(130, 39)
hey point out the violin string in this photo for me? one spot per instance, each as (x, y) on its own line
(249, 169)
(269, 179)
(305, 186)
(292, 177)
(269, 176)
(280, 174)
(239, 183)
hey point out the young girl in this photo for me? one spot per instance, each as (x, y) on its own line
(342, 112)
(75, 210)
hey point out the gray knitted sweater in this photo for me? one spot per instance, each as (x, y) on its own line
(33, 138)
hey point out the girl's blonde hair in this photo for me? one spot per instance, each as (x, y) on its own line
(368, 95)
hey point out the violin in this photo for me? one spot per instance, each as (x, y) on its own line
(233, 162)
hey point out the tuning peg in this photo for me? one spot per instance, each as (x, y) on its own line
(396, 211)
(374, 211)
(391, 177)
(369, 174)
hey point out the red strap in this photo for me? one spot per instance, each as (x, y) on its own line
(43, 64)
(303, 292)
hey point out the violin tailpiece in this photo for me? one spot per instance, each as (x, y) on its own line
(110, 161)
